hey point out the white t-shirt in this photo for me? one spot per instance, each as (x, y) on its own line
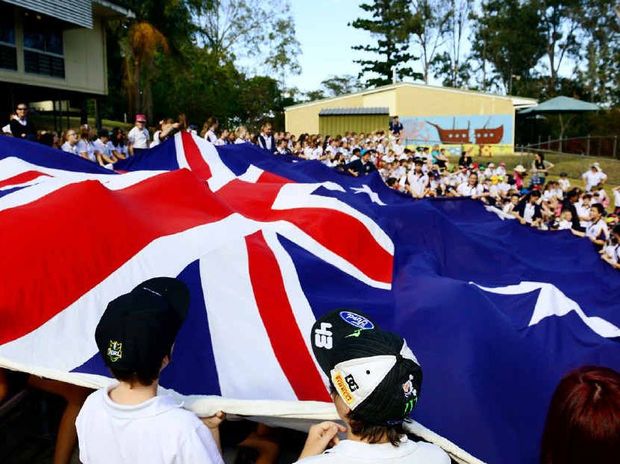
(593, 178)
(158, 431)
(466, 190)
(564, 183)
(528, 212)
(139, 138)
(84, 146)
(617, 198)
(73, 149)
(356, 452)
(597, 230)
(417, 183)
(210, 136)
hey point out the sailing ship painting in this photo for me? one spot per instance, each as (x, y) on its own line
(488, 133)
(452, 136)
(483, 136)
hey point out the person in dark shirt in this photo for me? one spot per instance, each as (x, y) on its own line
(396, 127)
(362, 166)
(465, 159)
(572, 197)
(21, 127)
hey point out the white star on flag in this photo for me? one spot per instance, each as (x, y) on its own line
(374, 197)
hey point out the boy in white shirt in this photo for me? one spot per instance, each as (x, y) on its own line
(375, 383)
(130, 422)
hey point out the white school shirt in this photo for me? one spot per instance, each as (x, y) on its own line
(101, 147)
(357, 452)
(565, 225)
(417, 183)
(613, 252)
(595, 229)
(119, 148)
(210, 136)
(239, 140)
(593, 178)
(582, 211)
(139, 138)
(67, 147)
(617, 198)
(466, 190)
(157, 431)
(528, 212)
(564, 183)
(86, 147)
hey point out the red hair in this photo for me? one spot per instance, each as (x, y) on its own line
(583, 422)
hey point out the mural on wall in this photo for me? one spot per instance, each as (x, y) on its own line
(486, 134)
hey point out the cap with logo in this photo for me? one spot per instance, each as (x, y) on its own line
(138, 328)
(373, 371)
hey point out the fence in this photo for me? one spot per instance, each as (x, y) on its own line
(606, 146)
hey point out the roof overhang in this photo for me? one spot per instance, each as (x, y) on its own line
(111, 10)
(355, 111)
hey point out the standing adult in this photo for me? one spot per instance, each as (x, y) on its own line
(266, 139)
(540, 169)
(21, 126)
(396, 127)
(138, 136)
(594, 176)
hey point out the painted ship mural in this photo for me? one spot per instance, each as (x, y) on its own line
(482, 136)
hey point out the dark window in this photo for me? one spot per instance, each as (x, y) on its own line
(8, 52)
(43, 47)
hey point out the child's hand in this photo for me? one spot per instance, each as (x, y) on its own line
(213, 422)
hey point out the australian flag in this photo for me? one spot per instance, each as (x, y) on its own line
(495, 312)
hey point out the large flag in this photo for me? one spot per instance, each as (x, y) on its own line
(495, 312)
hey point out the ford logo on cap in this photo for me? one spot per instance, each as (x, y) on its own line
(356, 320)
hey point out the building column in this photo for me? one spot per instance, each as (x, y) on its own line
(83, 111)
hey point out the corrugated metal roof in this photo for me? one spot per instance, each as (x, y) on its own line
(517, 101)
(354, 111)
(78, 12)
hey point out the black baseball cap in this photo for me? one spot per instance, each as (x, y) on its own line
(137, 329)
(373, 371)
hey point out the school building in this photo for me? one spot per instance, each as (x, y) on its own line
(54, 52)
(430, 115)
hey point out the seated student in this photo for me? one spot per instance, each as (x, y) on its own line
(375, 381)
(611, 251)
(130, 421)
(583, 424)
(102, 150)
(528, 211)
(362, 166)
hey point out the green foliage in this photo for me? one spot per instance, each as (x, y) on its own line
(508, 35)
(391, 23)
(197, 76)
(335, 86)
(430, 26)
(451, 63)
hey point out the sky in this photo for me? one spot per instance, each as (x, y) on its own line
(326, 39)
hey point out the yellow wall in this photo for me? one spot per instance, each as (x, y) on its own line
(403, 100)
(85, 62)
(306, 118)
(418, 101)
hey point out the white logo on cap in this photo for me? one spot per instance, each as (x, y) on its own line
(356, 320)
(323, 336)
